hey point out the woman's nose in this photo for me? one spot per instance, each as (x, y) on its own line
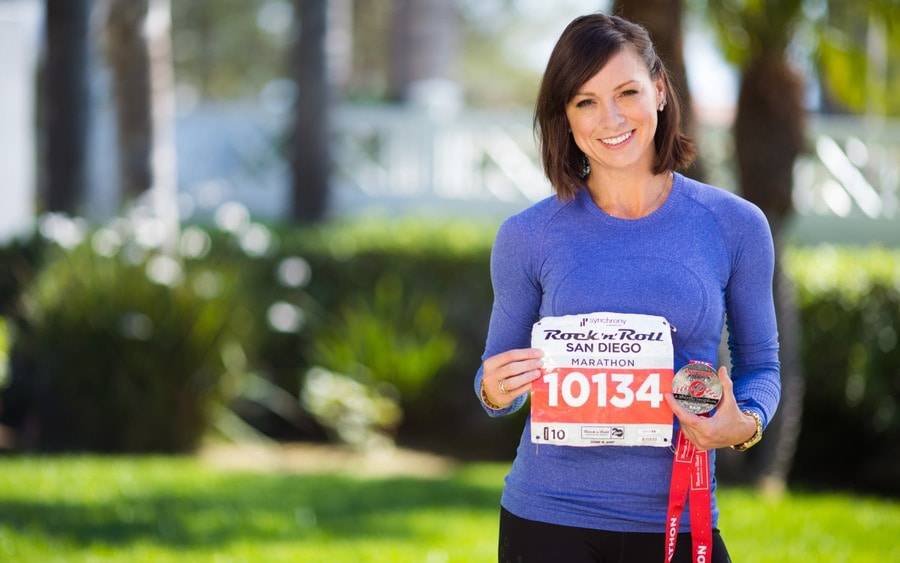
(610, 117)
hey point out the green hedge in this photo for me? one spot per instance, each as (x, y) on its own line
(384, 297)
(397, 295)
(849, 300)
(121, 353)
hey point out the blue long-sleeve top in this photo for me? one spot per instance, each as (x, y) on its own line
(703, 258)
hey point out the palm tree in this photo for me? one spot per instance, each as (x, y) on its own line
(855, 43)
(310, 162)
(858, 55)
(64, 94)
(769, 133)
(139, 50)
(662, 19)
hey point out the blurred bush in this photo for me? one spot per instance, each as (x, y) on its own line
(401, 309)
(390, 335)
(120, 346)
(849, 301)
(4, 353)
(437, 270)
(357, 414)
(20, 260)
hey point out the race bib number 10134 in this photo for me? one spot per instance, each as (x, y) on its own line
(603, 380)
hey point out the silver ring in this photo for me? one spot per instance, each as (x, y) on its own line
(502, 386)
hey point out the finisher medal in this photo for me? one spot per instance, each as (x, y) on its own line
(697, 388)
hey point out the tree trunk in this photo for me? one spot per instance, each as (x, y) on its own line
(769, 135)
(64, 95)
(424, 42)
(663, 18)
(139, 50)
(339, 43)
(129, 59)
(310, 141)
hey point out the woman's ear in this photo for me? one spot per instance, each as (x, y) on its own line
(660, 93)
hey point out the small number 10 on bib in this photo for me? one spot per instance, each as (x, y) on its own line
(603, 381)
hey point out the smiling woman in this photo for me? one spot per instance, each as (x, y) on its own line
(625, 237)
(606, 103)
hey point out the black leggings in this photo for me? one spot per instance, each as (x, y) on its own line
(529, 541)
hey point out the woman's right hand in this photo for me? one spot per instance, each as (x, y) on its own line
(509, 374)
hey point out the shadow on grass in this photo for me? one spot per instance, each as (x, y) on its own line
(251, 507)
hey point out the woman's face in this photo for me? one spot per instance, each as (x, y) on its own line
(613, 115)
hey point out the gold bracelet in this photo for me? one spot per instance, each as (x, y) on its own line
(484, 398)
(757, 436)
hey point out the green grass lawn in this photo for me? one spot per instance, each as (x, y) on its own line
(166, 509)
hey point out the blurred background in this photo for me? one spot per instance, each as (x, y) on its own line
(244, 267)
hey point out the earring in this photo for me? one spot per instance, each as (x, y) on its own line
(662, 105)
(585, 167)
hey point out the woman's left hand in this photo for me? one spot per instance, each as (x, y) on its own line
(729, 426)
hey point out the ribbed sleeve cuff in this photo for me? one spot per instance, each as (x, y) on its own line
(759, 392)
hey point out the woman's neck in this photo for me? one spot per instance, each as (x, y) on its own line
(627, 195)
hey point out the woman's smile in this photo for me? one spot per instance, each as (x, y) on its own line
(619, 141)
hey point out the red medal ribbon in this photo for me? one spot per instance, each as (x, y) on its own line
(690, 472)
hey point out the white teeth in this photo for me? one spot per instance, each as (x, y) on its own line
(616, 140)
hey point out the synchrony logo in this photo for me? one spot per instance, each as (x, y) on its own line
(600, 321)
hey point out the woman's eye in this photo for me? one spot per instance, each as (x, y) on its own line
(629, 92)
(584, 103)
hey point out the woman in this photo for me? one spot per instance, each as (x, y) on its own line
(624, 233)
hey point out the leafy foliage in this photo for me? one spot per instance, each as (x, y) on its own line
(748, 28)
(402, 308)
(850, 309)
(838, 33)
(230, 48)
(361, 415)
(391, 337)
(118, 342)
(858, 54)
(4, 353)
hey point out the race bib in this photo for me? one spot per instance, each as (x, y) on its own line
(603, 381)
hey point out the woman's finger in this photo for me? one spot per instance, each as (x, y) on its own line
(520, 390)
(516, 354)
(515, 368)
(514, 383)
(727, 386)
(685, 417)
(725, 378)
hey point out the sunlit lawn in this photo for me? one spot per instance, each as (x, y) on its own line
(156, 509)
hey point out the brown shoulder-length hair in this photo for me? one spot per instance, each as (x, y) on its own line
(584, 47)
